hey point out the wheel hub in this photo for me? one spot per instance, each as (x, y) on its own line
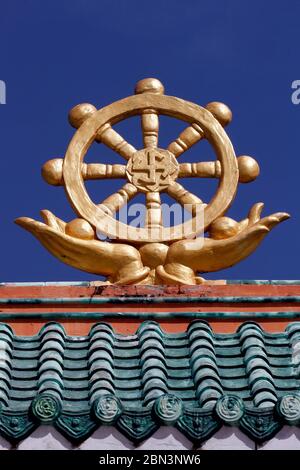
(152, 169)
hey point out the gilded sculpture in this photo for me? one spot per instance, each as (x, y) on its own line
(151, 254)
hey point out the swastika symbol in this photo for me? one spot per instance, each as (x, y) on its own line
(152, 169)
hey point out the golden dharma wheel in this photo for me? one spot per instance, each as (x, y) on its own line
(150, 170)
(154, 253)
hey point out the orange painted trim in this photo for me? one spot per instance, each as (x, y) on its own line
(129, 326)
(172, 307)
(82, 327)
(115, 291)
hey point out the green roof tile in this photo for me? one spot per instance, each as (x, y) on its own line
(196, 381)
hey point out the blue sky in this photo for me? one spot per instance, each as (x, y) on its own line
(55, 54)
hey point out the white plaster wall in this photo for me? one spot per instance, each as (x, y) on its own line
(166, 439)
(45, 438)
(108, 438)
(4, 444)
(286, 439)
(105, 438)
(228, 438)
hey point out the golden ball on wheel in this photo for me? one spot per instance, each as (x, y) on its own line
(248, 169)
(223, 227)
(80, 113)
(80, 228)
(149, 85)
(220, 111)
(52, 171)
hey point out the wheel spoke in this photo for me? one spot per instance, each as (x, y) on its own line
(115, 201)
(149, 118)
(108, 136)
(52, 171)
(188, 200)
(200, 170)
(150, 128)
(97, 171)
(190, 136)
(153, 211)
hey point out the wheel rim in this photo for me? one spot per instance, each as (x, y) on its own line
(135, 105)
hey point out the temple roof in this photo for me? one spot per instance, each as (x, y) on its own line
(197, 380)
